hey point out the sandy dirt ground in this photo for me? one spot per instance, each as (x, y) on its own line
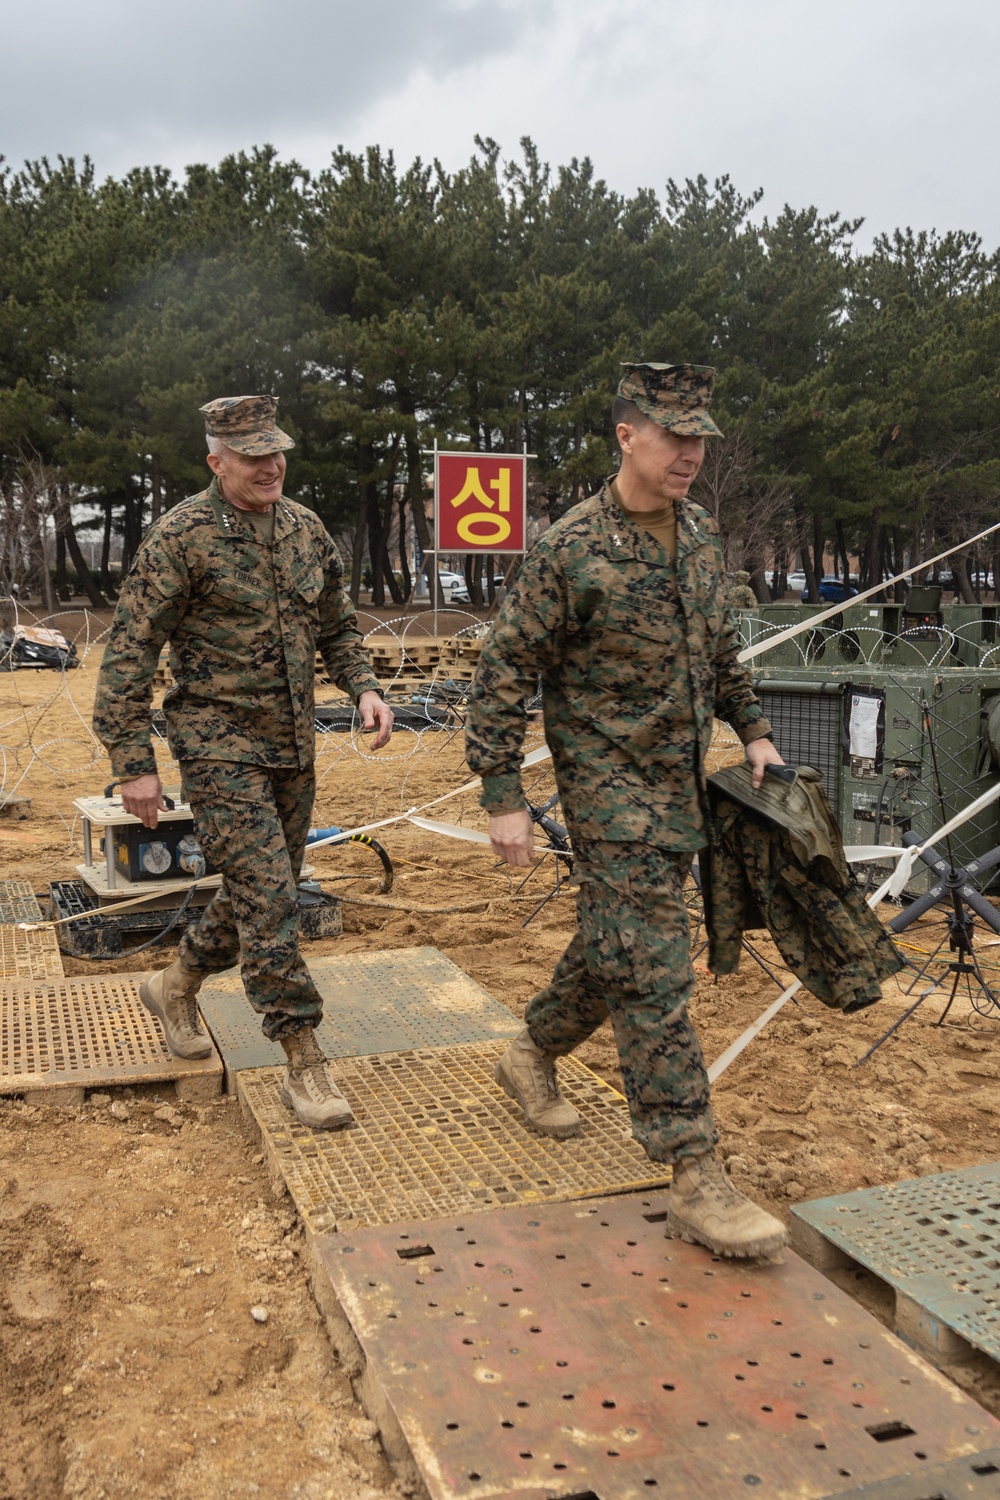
(139, 1234)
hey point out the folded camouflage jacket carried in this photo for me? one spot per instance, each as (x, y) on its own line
(776, 860)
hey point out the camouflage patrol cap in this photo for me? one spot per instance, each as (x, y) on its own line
(246, 423)
(674, 396)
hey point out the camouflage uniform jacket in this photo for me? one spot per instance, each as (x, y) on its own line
(636, 654)
(244, 620)
(764, 869)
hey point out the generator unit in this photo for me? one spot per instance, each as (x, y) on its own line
(902, 719)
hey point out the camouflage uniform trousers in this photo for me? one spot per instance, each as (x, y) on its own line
(252, 822)
(631, 959)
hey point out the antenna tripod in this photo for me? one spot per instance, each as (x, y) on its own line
(955, 892)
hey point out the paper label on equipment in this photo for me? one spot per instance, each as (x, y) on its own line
(864, 725)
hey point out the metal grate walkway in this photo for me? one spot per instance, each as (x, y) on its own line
(935, 1240)
(29, 955)
(87, 1033)
(18, 903)
(434, 1135)
(389, 1000)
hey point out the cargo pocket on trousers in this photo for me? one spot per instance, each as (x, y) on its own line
(618, 954)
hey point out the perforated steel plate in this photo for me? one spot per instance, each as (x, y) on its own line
(962, 1479)
(570, 1349)
(29, 954)
(84, 1033)
(18, 903)
(390, 1000)
(936, 1239)
(434, 1135)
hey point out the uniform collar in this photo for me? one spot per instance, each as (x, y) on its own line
(630, 541)
(233, 523)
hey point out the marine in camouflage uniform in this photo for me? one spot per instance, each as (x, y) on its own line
(622, 612)
(741, 595)
(246, 586)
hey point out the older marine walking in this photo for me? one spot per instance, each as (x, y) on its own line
(246, 586)
(621, 610)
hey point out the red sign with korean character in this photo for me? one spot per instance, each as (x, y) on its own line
(480, 502)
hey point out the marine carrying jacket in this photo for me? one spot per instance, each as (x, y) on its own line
(244, 619)
(776, 860)
(636, 655)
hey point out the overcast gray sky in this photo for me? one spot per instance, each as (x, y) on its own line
(886, 109)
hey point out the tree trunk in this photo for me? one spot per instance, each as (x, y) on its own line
(844, 562)
(757, 580)
(61, 581)
(155, 490)
(415, 489)
(960, 573)
(131, 529)
(67, 532)
(870, 562)
(819, 548)
(812, 583)
(387, 569)
(357, 557)
(404, 550)
(44, 576)
(106, 583)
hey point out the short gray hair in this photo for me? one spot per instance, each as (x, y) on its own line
(215, 445)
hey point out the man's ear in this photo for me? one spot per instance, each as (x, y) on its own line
(623, 432)
(215, 462)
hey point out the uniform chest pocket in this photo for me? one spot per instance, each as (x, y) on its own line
(641, 634)
(309, 585)
(236, 596)
(635, 650)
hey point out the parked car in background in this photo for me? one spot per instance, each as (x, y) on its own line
(461, 596)
(832, 590)
(453, 587)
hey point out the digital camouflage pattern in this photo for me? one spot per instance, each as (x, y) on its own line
(674, 396)
(631, 957)
(741, 595)
(252, 822)
(246, 424)
(759, 874)
(244, 619)
(636, 654)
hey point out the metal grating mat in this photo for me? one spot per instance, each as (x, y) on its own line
(390, 1000)
(84, 1033)
(963, 1479)
(434, 1135)
(935, 1239)
(29, 955)
(569, 1349)
(18, 903)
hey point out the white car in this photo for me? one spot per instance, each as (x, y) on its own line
(453, 586)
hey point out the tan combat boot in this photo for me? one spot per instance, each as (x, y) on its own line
(308, 1090)
(704, 1208)
(170, 995)
(528, 1074)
